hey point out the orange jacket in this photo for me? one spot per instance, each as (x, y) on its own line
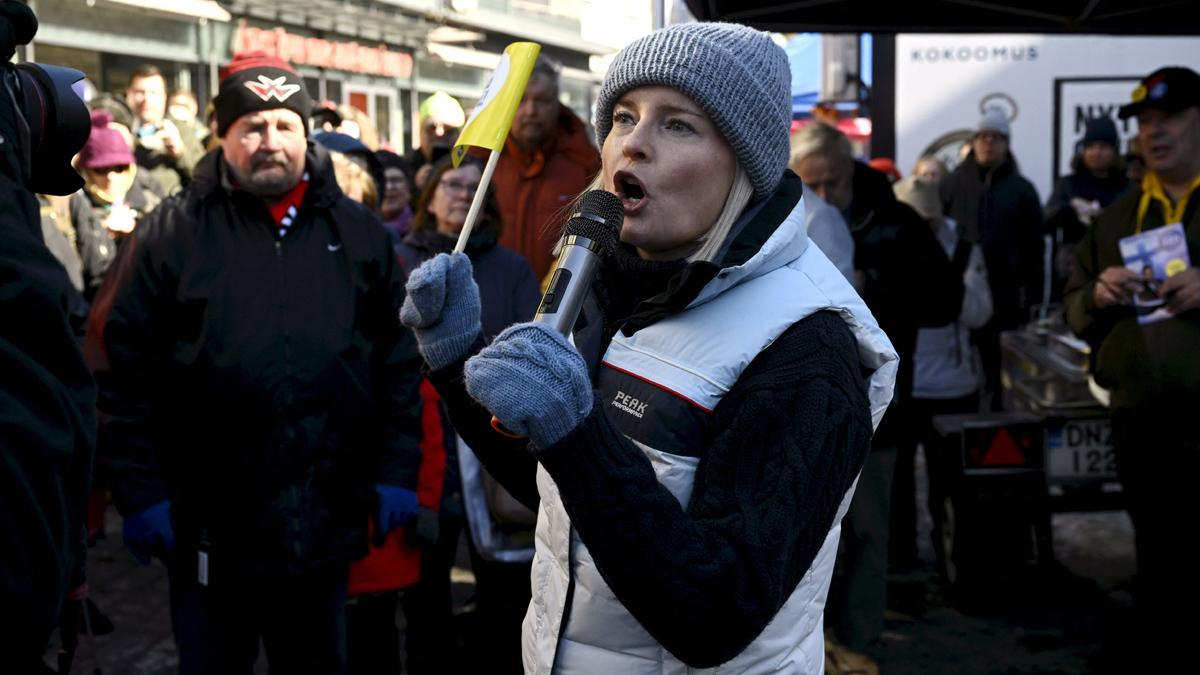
(396, 564)
(534, 189)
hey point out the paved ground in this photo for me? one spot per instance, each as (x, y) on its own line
(1053, 620)
(1038, 621)
(1061, 619)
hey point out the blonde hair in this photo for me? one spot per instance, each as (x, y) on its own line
(739, 196)
(350, 176)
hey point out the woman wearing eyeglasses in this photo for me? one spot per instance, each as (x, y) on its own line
(508, 294)
(114, 198)
(511, 291)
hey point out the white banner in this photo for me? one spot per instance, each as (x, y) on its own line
(1076, 100)
(944, 82)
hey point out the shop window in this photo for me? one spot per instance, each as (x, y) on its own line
(313, 85)
(118, 67)
(383, 117)
(85, 61)
(333, 90)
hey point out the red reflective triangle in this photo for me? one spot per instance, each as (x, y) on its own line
(1003, 451)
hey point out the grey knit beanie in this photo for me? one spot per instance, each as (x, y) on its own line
(736, 74)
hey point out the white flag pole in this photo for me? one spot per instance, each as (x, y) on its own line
(477, 202)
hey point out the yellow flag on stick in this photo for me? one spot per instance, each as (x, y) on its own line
(493, 115)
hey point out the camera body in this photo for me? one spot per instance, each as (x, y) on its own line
(43, 120)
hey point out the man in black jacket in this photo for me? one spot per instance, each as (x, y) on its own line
(1152, 369)
(260, 386)
(908, 283)
(998, 209)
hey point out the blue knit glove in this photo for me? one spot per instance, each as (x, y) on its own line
(533, 381)
(397, 506)
(442, 308)
(149, 532)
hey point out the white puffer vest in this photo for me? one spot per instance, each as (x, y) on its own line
(685, 364)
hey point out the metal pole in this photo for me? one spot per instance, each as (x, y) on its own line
(883, 95)
(214, 82)
(414, 105)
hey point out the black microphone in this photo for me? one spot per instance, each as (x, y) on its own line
(591, 234)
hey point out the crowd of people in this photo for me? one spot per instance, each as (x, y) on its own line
(300, 385)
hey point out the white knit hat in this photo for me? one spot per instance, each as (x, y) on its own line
(995, 120)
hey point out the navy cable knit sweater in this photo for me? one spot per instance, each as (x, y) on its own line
(782, 448)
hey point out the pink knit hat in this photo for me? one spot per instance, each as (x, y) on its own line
(105, 147)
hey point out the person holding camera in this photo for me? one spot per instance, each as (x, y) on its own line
(47, 396)
(116, 196)
(165, 153)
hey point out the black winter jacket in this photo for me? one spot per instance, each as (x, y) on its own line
(910, 283)
(1000, 211)
(1156, 365)
(1060, 215)
(508, 294)
(262, 384)
(507, 288)
(96, 248)
(47, 433)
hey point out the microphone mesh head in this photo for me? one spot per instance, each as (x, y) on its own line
(597, 216)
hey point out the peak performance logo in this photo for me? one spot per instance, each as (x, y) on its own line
(278, 89)
(629, 404)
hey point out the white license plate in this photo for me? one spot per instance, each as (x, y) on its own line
(1081, 451)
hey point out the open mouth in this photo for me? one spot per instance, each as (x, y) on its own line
(630, 190)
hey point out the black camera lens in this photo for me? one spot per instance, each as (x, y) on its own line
(59, 125)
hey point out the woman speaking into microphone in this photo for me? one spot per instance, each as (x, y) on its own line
(692, 446)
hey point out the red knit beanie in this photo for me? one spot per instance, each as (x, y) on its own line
(105, 146)
(255, 81)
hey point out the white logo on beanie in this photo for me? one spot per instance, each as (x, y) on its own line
(266, 88)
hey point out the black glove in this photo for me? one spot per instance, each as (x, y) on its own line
(423, 532)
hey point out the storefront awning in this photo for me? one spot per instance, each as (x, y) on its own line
(197, 9)
(488, 61)
(368, 22)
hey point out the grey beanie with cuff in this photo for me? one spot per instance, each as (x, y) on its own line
(737, 75)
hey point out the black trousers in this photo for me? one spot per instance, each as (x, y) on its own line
(502, 595)
(919, 430)
(430, 641)
(1158, 455)
(300, 620)
(372, 637)
(987, 340)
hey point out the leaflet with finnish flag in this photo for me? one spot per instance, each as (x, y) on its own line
(493, 115)
(1153, 256)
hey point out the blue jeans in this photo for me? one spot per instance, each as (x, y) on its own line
(300, 620)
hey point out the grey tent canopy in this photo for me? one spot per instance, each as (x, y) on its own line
(1116, 17)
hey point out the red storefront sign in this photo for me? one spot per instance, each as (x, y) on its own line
(310, 51)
